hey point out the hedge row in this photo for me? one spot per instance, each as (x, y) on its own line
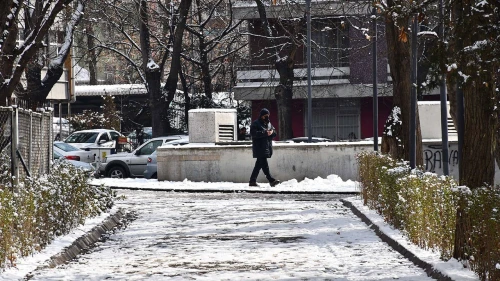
(424, 205)
(44, 208)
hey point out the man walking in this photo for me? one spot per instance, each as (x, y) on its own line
(262, 133)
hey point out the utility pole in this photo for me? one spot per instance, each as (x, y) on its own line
(444, 108)
(375, 81)
(413, 102)
(308, 55)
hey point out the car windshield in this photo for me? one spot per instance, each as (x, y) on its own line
(83, 137)
(66, 147)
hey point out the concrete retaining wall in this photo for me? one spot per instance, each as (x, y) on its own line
(234, 163)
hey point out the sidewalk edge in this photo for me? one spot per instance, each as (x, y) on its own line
(188, 190)
(429, 269)
(84, 242)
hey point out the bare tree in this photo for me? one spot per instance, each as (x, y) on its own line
(216, 40)
(284, 62)
(37, 18)
(148, 37)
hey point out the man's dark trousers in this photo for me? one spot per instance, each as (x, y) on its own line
(261, 163)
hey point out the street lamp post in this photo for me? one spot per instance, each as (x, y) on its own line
(413, 102)
(308, 55)
(444, 108)
(375, 81)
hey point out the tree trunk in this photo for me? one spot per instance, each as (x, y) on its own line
(8, 35)
(478, 67)
(92, 57)
(39, 89)
(175, 66)
(480, 128)
(187, 99)
(24, 53)
(399, 56)
(283, 94)
(159, 117)
(477, 164)
(205, 75)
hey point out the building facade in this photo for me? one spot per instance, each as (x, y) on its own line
(341, 62)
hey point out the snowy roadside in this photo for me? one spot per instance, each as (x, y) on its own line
(452, 268)
(25, 265)
(332, 183)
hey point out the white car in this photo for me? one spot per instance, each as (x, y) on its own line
(79, 164)
(73, 153)
(94, 138)
(133, 164)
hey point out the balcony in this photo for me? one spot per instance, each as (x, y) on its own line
(258, 83)
(247, 9)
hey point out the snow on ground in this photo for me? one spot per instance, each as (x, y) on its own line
(332, 183)
(238, 236)
(324, 242)
(451, 268)
(25, 265)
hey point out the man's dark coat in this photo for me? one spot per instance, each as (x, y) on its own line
(262, 144)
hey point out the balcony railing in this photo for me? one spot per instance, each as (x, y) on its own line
(262, 73)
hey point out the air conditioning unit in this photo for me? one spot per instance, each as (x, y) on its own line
(212, 125)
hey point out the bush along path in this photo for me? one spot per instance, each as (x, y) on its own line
(423, 206)
(45, 207)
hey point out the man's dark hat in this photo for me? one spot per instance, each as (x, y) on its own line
(263, 112)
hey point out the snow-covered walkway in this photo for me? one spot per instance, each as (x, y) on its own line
(239, 236)
(179, 236)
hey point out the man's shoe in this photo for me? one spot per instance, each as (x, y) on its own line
(275, 183)
(253, 184)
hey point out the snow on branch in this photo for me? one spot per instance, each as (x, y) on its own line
(68, 37)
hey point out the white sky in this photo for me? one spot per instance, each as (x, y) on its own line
(177, 236)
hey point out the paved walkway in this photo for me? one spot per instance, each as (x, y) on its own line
(187, 236)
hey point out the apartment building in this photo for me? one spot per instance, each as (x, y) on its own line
(341, 61)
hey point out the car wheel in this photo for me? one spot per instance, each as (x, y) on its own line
(154, 176)
(116, 172)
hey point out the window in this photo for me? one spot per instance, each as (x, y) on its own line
(66, 147)
(85, 137)
(104, 137)
(336, 119)
(329, 43)
(114, 135)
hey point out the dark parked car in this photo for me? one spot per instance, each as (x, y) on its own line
(306, 139)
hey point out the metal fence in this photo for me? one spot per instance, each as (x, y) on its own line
(27, 137)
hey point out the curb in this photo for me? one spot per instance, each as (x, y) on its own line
(427, 267)
(232, 190)
(85, 242)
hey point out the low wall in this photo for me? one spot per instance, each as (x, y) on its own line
(234, 163)
(433, 159)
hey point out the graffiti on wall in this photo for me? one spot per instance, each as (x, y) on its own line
(433, 157)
